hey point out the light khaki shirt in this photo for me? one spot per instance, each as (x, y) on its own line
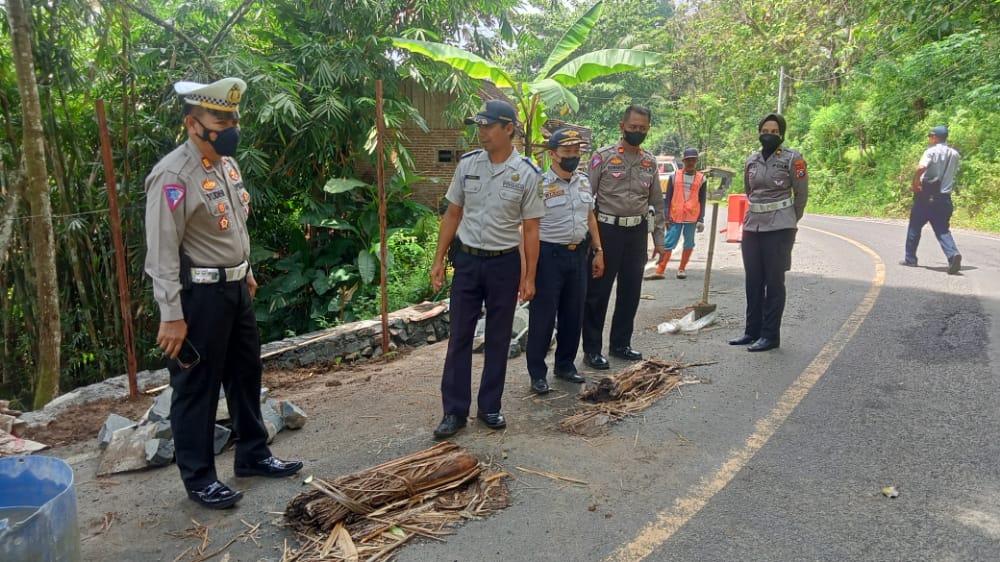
(780, 177)
(196, 205)
(495, 198)
(568, 204)
(625, 184)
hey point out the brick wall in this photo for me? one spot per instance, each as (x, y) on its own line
(425, 148)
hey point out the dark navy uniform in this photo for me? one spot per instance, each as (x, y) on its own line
(777, 188)
(625, 185)
(561, 278)
(495, 199)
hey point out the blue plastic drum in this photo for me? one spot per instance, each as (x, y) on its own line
(37, 510)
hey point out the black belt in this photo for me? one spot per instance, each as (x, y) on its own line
(486, 253)
(570, 247)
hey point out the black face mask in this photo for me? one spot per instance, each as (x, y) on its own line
(634, 138)
(769, 142)
(225, 142)
(569, 164)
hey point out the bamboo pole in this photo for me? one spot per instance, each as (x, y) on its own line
(383, 250)
(120, 259)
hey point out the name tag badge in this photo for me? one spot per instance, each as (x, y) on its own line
(471, 177)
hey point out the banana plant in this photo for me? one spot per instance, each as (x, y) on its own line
(549, 88)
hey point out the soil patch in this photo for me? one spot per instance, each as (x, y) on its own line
(81, 422)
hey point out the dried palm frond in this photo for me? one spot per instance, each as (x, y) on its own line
(369, 514)
(623, 394)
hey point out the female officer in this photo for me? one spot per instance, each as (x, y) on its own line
(776, 184)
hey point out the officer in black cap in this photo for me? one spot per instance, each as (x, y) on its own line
(561, 282)
(493, 196)
(197, 257)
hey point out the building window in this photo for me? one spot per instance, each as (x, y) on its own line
(446, 156)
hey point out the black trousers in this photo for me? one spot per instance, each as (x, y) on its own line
(624, 259)
(222, 328)
(766, 258)
(478, 280)
(560, 289)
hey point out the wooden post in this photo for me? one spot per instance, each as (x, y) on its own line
(383, 250)
(116, 235)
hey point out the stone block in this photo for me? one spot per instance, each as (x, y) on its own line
(163, 430)
(271, 412)
(159, 452)
(271, 430)
(126, 451)
(160, 410)
(222, 434)
(293, 416)
(111, 425)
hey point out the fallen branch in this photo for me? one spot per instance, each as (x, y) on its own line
(552, 476)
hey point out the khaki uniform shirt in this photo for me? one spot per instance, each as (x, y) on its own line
(495, 198)
(200, 207)
(781, 176)
(625, 184)
(568, 204)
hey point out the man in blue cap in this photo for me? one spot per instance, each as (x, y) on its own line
(493, 197)
(561, 282)
(197, 256)
(932, 186)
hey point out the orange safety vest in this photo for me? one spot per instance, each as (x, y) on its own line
(681, 209)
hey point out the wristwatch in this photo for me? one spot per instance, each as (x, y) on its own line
(598, 249)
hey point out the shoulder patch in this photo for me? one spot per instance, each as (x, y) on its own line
(532, 164)
(174, 194)
(800, 168)
(471, 153)
(596, 160)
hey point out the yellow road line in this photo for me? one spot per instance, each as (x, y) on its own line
(669, 521)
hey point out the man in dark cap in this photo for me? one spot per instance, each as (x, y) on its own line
(493, 197)
(777, 186)
(561, 282)
(197, 257)
(684, 202)
(932, 186)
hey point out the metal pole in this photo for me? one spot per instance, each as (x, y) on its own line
(383, 250)
(781, 87)
(116, 235)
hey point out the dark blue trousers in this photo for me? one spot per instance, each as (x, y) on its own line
(560, 290)
(222, 328)
(624, 259)
(478, 280)
(936, 210)
(766, 258)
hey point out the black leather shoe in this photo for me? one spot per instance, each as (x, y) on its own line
(571, 376)
(492, 421)
(450, 424)
(764, 344)
(539, 386)
(954, 264)
(742, 340)
(271, 467)
(596, 361)
(626, 353)
(908, 263)
(216, 496)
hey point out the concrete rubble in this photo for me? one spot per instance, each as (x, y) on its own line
(11, 429)
(134, 445)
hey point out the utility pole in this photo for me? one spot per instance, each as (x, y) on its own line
(781, 86)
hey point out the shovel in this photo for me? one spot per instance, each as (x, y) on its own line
(703, 308)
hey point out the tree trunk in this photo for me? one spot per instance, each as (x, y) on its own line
(41, 236)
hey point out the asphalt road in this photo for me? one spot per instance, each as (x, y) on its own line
(886, 377)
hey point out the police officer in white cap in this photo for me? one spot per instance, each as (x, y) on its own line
(197, 256)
